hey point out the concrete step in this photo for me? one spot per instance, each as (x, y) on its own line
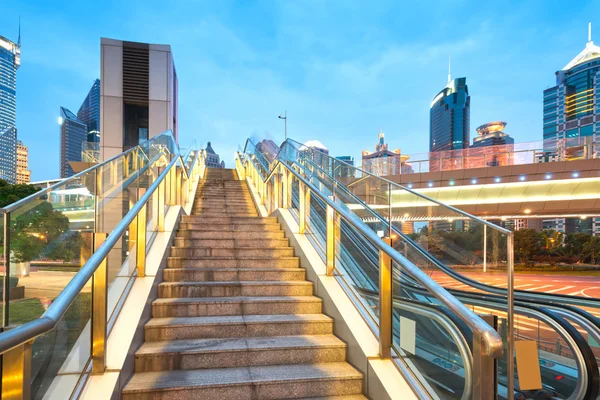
(235, 288)
(227, 226)
(239, 305)
(229, 220)
(347, 397)
(230, 234)
(242, 352)
(232, 252)
(246, 383)
(228, 243)
(233, 262)
(222, 202)
(229, 214)
(237, 326)
(233, 274)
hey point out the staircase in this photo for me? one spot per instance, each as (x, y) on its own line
(235, 317)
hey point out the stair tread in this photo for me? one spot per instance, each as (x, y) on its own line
(236, 319)
(237, 299)
(237, 283)
(246, 269)
(270, 374)
(242, 257)
(239, 344)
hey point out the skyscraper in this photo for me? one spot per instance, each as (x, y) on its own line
(23, 172)
(491, 134)
(10, 60)
(8, 154)
(449, 117)
(89, 113)
(73, 133)
(569, 111)
(572, 115)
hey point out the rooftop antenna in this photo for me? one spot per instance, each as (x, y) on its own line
(19, 40)
(590, 32)
(449, 76)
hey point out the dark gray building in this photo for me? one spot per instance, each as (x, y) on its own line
(89, 113)
(449, 117)
(73, 133)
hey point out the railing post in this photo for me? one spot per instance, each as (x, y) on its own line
(286, 186)
(6, 288)
(99, 310)
(331, 228)
(485, 368)
(304, 207)
(173, 200)
(16, 373)
(160, 202)
(385, 302)
(141, 242)
(179, 182)
(276, 190)
(263, 191)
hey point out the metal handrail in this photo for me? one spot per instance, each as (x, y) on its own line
(40, 193)
(491, 338)
(461, 212)
(29, 331)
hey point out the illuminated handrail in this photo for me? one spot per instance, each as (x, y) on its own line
(494, 346)
(15, 344)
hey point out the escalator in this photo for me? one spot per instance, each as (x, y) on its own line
(564, 315)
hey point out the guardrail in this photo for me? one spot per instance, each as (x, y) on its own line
(172, 186)
(274, 187)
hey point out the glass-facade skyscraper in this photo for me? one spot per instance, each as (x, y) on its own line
(89, 113)
(73, 133)
(10, 60)
(572, 107)
(449, 117)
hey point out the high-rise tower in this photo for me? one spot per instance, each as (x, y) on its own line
(10, 60)
(73, 133)
(449, 117)
(89, 113)
(572, 107)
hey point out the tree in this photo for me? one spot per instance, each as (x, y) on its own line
(11, 193)
(574, 243)
(553, 240)
(591, 250)
(528, 243)
(43, 232)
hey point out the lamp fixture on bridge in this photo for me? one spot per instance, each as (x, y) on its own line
(522, 178)
(527, 211)
(497, 179)
(430, 184)
(548, 176)
(473, 181)
(575, 174)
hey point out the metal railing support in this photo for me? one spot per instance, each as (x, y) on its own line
(173, 199)
(276, 190)
(16, 373)
(141, 242)
(385, 302)
(510, 338)
(330, 256)
(99, 310)
(286, 186)
(179, 183)
(160, 203)
(304, 207)
(485, 368)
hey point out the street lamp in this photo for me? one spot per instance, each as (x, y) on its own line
(284, 118)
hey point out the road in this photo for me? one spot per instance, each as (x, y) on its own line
(529, 328)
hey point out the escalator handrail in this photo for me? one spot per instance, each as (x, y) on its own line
(493, 342)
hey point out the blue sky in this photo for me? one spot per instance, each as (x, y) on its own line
(342, 69)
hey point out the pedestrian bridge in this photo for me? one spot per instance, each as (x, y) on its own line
(265, 282)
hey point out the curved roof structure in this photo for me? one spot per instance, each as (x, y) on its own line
(590, 52)
(315, 144)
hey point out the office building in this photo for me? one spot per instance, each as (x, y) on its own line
(138, 94)
(89, 113)
(8, 154)
(73, 133)
(345, 169)
(572, 107)
(449, 121)
(23, 172)
(491, 134)
(10, 60)
(383, 162)
(212, 159)
(572, 115)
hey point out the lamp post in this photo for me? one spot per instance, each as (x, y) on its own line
(284, 118)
